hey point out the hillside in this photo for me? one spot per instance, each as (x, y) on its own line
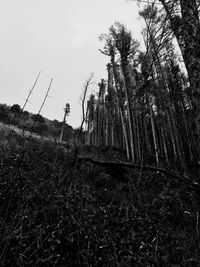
(57, 211)
(34, 123)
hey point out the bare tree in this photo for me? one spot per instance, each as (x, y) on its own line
(66, 113)
(83, 98)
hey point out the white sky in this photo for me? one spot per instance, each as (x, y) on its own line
(59, 38)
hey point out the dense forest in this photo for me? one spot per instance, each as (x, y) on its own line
(149, 103)
(125, 190)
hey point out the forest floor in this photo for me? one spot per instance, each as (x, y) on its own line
(55, 211)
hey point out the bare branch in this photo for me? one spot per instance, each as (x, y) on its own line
(30, 92)
(86, 86)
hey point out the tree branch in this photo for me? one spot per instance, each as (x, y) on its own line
(137, 166)
(88, 82)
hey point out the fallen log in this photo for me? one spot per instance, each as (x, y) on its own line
(113, 164)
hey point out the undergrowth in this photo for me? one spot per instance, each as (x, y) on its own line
(55, 212)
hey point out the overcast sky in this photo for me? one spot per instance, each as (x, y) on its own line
(59, 38)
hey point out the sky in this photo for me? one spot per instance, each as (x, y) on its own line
(60, 39)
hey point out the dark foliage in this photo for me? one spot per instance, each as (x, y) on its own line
(38, 118)
(55, 213)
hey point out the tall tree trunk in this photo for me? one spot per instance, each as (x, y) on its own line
(172, 138)
(147, 138)
(125, 136)
(177, 139)
(137, 123)
(179, 116)
(106, 131)
(112, 134)
(120, 104)
(164, 145)
(154, 132)
(129, 109)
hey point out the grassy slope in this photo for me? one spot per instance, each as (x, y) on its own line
(57, 213)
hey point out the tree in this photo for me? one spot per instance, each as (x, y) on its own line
(87, 84)
(90, 117)
(4, 113)
(16, 109)
(144, 106)
(166, 64)
(186, 27)
(127, 48)
(121, 44)
(66, 113)
(114, 72)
